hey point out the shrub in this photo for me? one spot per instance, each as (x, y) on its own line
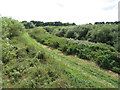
(8, 51)
(11, 28)
(116, 69)
(70, 34)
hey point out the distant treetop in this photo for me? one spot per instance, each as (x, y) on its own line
(32, 24)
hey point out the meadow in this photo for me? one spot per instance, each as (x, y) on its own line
(39, 58)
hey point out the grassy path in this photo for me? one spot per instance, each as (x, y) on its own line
(85, 72)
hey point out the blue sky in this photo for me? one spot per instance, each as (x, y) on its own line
(78, 11)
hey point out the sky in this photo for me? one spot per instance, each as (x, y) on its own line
(77, 11)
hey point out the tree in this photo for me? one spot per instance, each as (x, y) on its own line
(39, 23)
(28, 25)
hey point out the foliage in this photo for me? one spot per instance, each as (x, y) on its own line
(28, 24)
(8, 51)
(29, 64)
(105, 33)
(102, 54)
(11, 28)
(32, 24)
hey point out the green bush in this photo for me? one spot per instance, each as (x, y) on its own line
(28, 25)
(116, 69)
(8, 51)
(11, 28)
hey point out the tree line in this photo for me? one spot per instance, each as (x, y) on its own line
(116, 22)
(33, 24)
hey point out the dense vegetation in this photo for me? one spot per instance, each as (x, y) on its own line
(103, 33)
(29, 64)
(104, 55)
(10, 29)
(33, 24)
(24, 65)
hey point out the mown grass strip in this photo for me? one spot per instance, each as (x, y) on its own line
(71, 65)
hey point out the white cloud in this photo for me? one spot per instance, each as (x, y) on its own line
(78, 11)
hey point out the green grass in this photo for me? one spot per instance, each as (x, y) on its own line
(54, 70)
(104, 55)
